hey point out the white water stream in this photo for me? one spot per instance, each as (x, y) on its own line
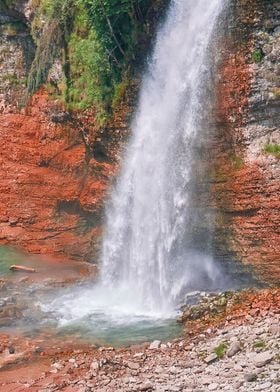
(148, 259)
(145, 249)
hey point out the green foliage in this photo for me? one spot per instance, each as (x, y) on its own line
(237, 161)
(51, 39)
(272, 148)
(257, 56)
(8, 3)
(96, 40)
(259, 344)
(220, 350)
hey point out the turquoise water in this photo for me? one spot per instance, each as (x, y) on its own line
(96, 328)
(9, 257)
(81, 312)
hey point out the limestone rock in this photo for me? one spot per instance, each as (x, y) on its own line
(211, 358)
(250, 377)
(262, 359)
(155, 345)
(234, 349)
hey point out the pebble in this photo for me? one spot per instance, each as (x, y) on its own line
(94, 366)
(265, 385)
(250, 377)
(133, 365)
(155, 345)
(262, 359)
(211, 358)
(213, 387)
(234, 349)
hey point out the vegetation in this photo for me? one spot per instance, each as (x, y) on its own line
(237, 161)
(272, 148)
(220, 350)
(257, 56)
(97, 42)
(259, 344)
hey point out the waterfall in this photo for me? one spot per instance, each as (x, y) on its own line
(147, 251)
(151, 255)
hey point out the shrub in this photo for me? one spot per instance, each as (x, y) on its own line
(272, 148)
(220, 350)
(257, 56)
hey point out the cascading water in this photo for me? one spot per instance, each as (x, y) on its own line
(146, 250)
(149, 259)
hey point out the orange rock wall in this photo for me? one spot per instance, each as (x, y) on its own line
(246, 181)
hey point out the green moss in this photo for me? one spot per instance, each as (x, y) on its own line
(12, 29)
(8, 3)
(273, 149)
(12, 79)
(259, 344)
(96, 41)
(257, 56)
(119, 92)
(237, 161)
(220, 350)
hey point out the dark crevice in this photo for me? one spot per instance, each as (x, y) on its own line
(73, 207)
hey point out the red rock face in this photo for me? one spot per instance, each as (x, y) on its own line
(51, 194)
(246, 186)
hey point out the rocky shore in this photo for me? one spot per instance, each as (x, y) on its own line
(233, 348)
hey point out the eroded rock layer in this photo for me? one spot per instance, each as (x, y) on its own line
(246, 186)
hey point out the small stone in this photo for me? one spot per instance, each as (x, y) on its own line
(238, 384)
(146, 386)
(274, 330)
(250, 377)
(94, 366)
(213, 387)
(155, 345)
(72, 360)
(133, 365)
(263, 358)
(265, 386)
(139, 355)
(238, 368)
(234, 349)
(205, 380)
(211, 358)
(57, 366)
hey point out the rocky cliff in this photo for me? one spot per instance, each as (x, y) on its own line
(56, 165)
(246, 186)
